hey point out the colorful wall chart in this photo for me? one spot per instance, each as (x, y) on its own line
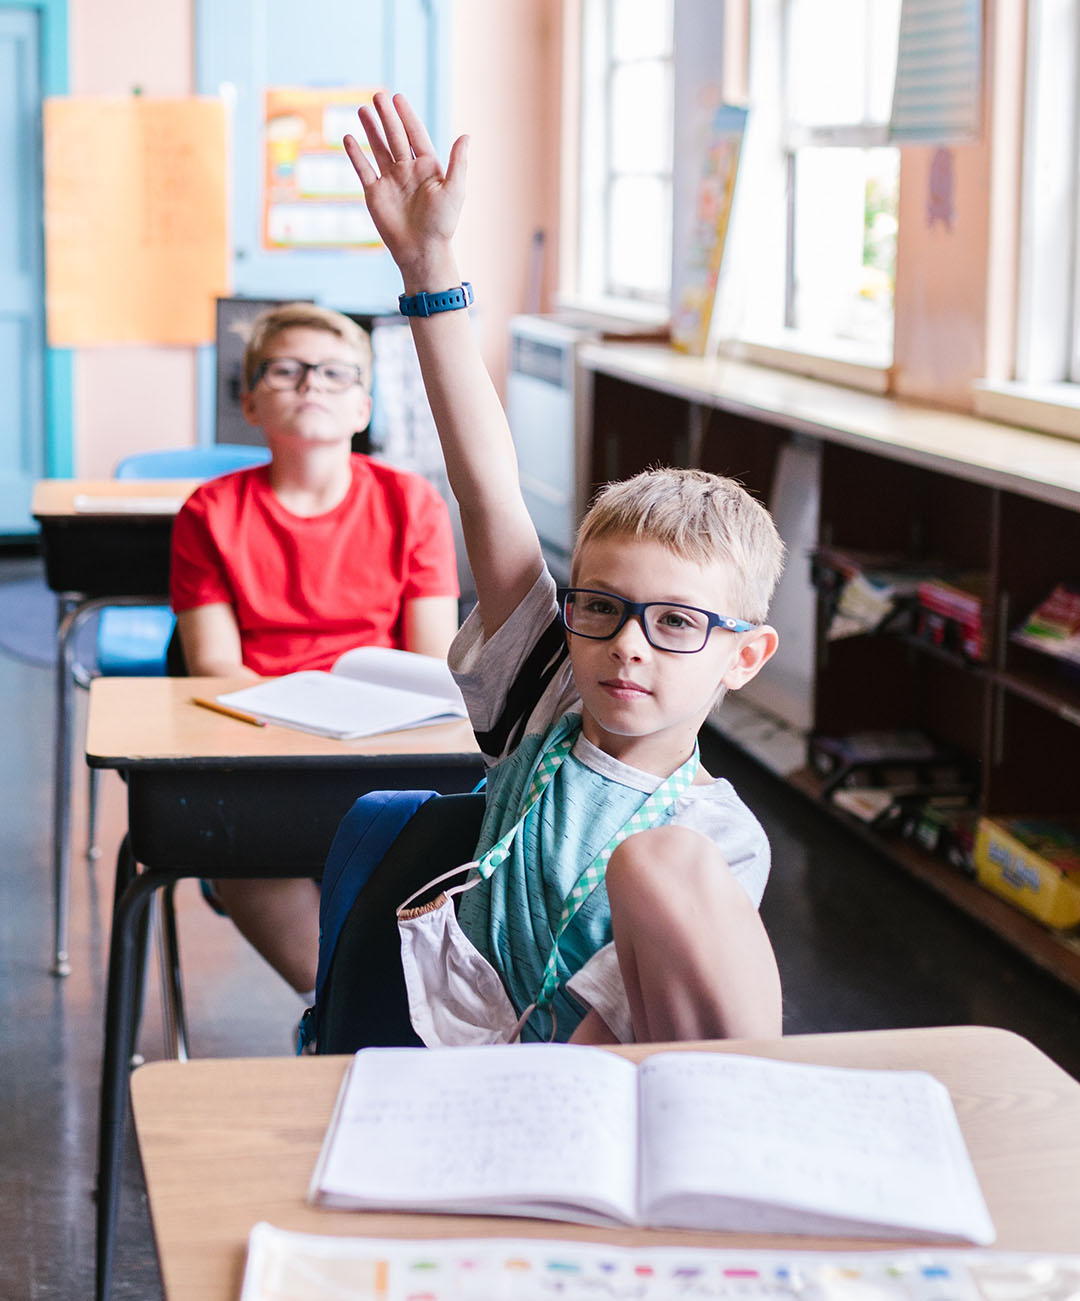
(311, 195)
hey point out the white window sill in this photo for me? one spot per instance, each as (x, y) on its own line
(853, 365)
(1051, 408)
(614, 315)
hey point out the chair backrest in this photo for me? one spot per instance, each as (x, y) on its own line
(363, 1002)
(191, 462)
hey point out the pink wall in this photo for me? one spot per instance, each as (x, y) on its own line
(511, 114)
(129, 399)
(944, 275)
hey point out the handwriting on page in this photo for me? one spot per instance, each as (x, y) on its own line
(849, 1142)
(525, 1125)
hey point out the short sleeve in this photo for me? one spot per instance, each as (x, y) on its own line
(431, 563)
(196, 571)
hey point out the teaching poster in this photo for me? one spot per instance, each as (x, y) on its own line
(312, 197)
(716, 190)
(135, 219)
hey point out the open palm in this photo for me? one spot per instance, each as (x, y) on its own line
(413, 202)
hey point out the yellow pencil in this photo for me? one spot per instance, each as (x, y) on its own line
(229, 713)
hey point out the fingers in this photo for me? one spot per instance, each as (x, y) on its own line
(456, 166)
(380, 151)
(396, 136)
(417, 134)
(359, 161)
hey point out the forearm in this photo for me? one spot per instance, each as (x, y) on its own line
(480, 459)
(210, 640)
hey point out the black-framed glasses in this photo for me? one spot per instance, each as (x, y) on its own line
(683, 629)
(289, 373)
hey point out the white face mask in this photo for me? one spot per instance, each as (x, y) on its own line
(455, 994)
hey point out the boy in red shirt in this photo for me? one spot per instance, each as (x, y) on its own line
(285, 566)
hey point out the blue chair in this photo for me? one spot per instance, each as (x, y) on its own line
(132, 641)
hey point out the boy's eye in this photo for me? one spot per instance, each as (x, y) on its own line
(343, 375)
(283, 369)
(599, 605)
(677, 620)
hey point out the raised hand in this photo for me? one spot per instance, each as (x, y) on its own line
(413, 202)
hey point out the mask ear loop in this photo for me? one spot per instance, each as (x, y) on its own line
(525, 1018)
(446, 876)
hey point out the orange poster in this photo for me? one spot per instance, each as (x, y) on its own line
(311, 195)
(135, 219)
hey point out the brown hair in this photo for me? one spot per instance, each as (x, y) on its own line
(700, 516)
(304, 316)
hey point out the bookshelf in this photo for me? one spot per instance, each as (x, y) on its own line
(923, 484)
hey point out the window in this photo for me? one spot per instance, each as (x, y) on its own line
(624, 248)
(1048, 334)
(843, 180)
(819, 183)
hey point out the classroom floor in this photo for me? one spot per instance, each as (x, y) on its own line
(860, 946)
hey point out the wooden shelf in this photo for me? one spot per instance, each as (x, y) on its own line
(1058, 697)
(1054, 951)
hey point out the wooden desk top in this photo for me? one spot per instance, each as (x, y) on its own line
(1037, 465)
(55, 498)
(229, 1142)
(149, 721)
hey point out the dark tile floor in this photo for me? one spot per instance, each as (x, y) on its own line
(860, 946)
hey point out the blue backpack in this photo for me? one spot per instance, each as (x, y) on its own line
(389, 844)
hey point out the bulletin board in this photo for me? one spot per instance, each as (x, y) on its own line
(135, 219)
(312, 197)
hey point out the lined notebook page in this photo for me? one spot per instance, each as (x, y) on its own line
(865, 1146)
(535, 1123)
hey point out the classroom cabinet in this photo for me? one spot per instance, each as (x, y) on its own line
(1012, 714)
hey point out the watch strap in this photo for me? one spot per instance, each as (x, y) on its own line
(448, 300)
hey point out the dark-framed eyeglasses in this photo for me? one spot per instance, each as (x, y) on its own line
(289, 373)
(683, 629)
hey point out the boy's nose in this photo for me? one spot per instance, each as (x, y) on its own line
(630, 639)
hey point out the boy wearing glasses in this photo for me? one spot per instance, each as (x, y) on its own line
(616, 889)
(286, 566)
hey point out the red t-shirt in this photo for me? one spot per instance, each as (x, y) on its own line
(305, 590)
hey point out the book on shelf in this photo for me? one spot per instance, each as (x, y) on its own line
(1053, 627)
(690, 1140)
(370, 689)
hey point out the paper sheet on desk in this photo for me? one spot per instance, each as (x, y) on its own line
(283, 1265)
(369, 690)
(92, 504)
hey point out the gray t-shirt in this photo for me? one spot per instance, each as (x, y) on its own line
(516, 684)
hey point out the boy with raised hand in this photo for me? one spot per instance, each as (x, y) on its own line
(286, 566)
(615, 895)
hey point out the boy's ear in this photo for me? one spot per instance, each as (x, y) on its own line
(759, 646)
(247, 406)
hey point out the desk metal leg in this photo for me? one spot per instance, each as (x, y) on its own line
(172, 989)
(73, 614)
(65, 692)
(126, 950)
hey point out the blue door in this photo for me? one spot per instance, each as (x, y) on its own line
(22, 324)
(245, 47)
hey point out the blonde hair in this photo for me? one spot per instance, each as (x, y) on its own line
(304, 316)
(700, 516)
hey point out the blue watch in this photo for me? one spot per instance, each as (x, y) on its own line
(428, 304)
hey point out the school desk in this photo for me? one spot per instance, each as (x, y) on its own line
(227, 1143)
(104, 542)
(211, 796)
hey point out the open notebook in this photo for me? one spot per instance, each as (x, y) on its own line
(369, 690)
(692, 1140)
